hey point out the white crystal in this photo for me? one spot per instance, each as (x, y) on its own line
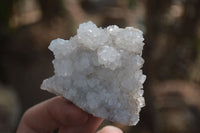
(99, 70)
(61, 47)
(91, 36)
(109, 57)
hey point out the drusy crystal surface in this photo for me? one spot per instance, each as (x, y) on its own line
(99, 70)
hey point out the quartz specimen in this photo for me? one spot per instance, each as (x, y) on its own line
(99, 70)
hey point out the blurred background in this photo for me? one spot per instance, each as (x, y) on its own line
(172, 55)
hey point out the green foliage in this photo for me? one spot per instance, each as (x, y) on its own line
(5, 11)
(131, 3)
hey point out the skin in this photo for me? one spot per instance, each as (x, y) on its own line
(58, 113)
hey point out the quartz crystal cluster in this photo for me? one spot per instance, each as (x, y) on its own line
(99, 70)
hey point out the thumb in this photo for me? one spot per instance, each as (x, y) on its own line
(110, 129)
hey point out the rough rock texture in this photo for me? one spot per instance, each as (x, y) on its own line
(99, 71)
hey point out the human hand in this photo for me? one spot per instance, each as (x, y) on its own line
(59, 113)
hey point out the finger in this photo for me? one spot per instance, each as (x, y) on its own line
(51, 114)
(110, 129)
(89, 127)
